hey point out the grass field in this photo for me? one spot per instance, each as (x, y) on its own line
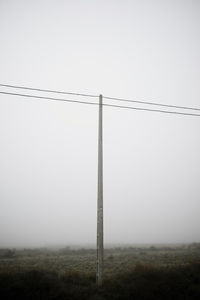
(151, 272)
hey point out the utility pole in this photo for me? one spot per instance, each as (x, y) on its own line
(99, 276)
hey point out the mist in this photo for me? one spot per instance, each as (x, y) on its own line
(141, 50)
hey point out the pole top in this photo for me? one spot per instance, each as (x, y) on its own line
(101, 98)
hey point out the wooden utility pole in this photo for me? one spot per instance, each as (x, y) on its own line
(100, 197)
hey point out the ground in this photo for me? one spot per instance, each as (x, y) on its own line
(148, 272)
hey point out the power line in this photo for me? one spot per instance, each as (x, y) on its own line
(153, 110)
(96, 96)
(47, 98)
(152, 103)
(105, 104)
(46, 90)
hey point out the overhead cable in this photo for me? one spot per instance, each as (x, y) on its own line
(96, 96)
(104, 104)
(152, 103)
(46, 90)
(153, 110)
(47, 98)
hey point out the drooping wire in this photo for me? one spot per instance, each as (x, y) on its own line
(105, 97)
(47, 98)
(153, 110)
(104, 104)
(46, 90)
(152, 103)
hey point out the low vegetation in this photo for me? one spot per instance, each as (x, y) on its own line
(130, 273)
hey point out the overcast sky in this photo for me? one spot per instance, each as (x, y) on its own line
(138, 49)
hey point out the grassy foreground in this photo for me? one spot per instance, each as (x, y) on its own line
(143, 282)
(131, 273)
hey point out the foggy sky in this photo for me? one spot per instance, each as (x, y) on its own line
(141, 49)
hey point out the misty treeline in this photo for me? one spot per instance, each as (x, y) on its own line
(76, 250)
